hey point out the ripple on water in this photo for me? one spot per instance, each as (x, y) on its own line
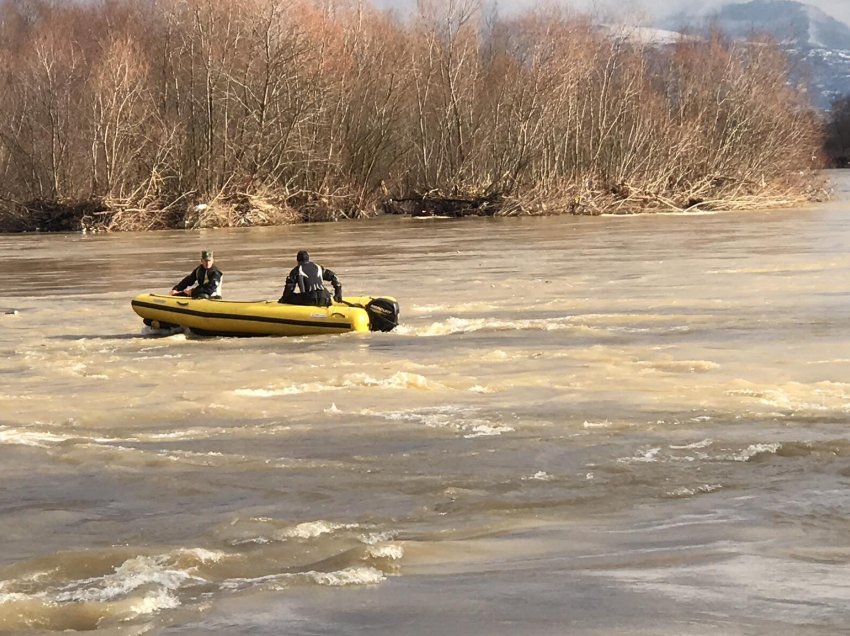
(99, 588)
(454, 418)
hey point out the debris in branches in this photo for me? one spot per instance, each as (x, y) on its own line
(53, 216)
(443, 206)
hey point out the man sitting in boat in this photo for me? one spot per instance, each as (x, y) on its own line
(304, 285)
(202, 282)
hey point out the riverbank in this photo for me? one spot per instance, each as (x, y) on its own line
(255, 210)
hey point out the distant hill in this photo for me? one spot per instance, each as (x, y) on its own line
(818, 43)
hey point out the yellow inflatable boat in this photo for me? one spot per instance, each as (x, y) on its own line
(265, 317)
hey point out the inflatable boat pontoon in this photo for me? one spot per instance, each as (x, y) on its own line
(265, 317)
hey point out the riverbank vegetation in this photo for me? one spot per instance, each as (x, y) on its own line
(129, 115)
(837, 133)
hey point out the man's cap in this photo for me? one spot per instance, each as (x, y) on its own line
(302, 256)
(206, 255)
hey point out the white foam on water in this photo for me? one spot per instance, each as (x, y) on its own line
(690, 492)
(355, 575)
(240, 583)
(129, 576)
(778, 398)
(378, 537)
(626, 329)
(169, 333)
(313, 529)
(682, 366)
(540, 475)
(744, 392)
(449, 417)
(154, 601)
(294, 389)
(797, 397)
(648, 455)
(391, 551)
(206, 433)
(602, 424)
(358, 575)
(164, 356)
(753, 450)
(398, 380)
(144, 584)
(202, 554)
(248, 540)
(189, 433)
(486, 430)
(197, 458)
(455, 325)
(45, 439)
(700, 444)
(30, 438)
(33, 578)
(184, 454)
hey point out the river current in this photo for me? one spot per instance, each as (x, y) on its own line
(610, 425)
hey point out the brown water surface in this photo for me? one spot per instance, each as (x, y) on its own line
(610, 425)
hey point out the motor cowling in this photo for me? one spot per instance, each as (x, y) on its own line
(383, 314)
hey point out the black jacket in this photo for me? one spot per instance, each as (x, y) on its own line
(306, 278)
(208, 281)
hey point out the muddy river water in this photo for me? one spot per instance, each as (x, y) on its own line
(611, 425)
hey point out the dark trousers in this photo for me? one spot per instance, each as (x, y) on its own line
(321, 298)
(200, 294)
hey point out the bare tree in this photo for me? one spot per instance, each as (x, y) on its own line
(837, 144)
(279, 110)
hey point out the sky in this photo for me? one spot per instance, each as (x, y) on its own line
(838, 9)
(644, 11)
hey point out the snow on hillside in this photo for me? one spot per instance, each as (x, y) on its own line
(818, 42)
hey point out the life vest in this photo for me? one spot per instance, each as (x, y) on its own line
(309, 278)
(211, 286)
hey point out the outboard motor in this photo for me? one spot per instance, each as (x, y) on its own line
(383, 314)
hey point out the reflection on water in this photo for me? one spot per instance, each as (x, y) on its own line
(582, 425)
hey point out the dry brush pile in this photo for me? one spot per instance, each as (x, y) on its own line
(133, 115)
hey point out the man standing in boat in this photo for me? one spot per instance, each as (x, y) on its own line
(304, 285)
(202, 282)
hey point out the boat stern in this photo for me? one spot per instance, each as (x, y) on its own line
(383, 314)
